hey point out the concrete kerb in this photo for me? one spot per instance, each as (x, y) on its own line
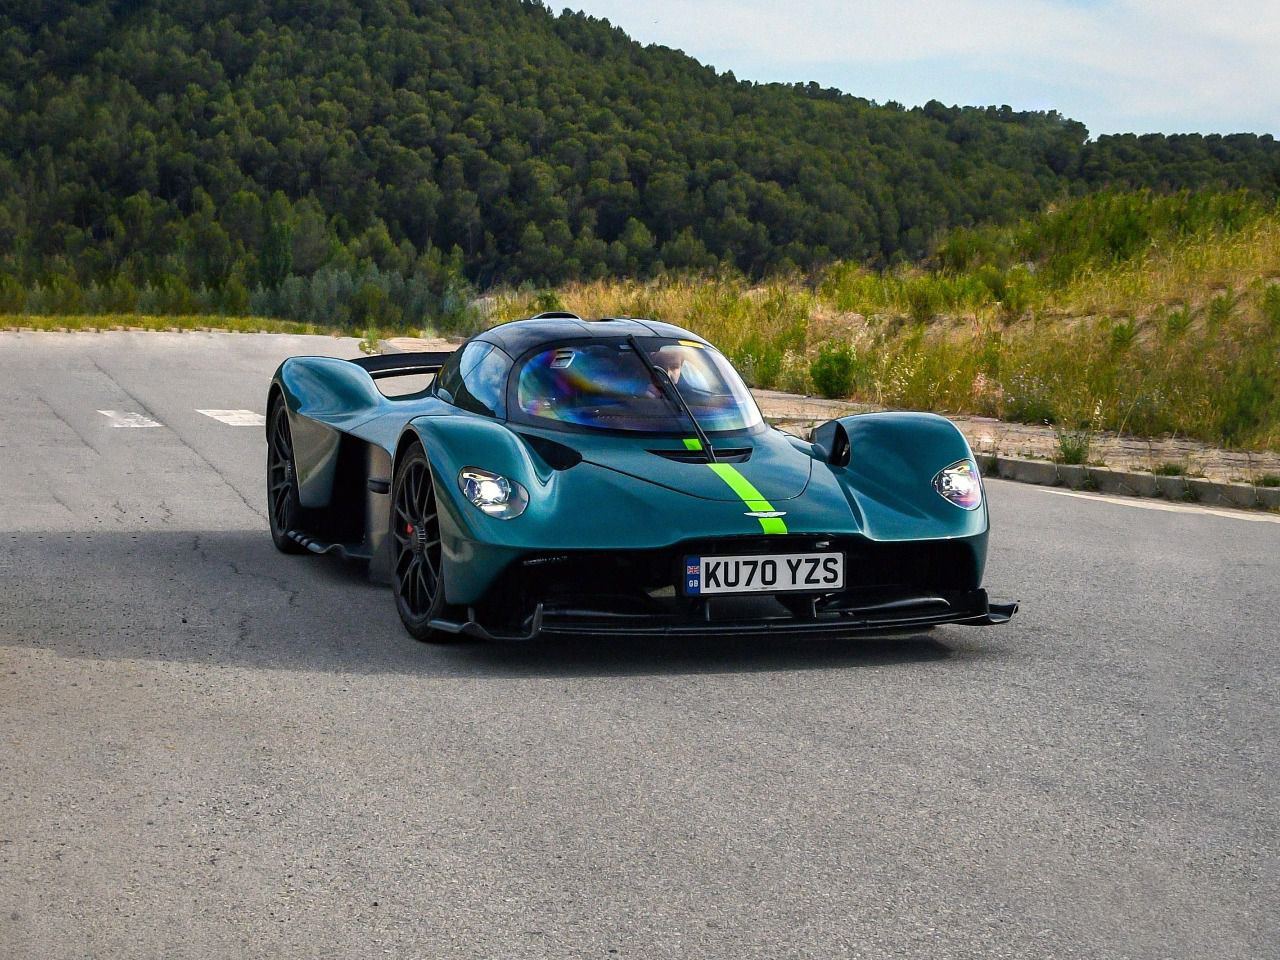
(1044, 473)
(1131, 483)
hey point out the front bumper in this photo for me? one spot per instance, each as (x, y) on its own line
(890, 587)
(886, 615)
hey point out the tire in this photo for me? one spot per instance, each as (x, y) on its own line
(417, 572)
(284, 509)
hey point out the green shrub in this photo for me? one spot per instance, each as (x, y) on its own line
(1019, 293)
(1221, 308)
(1177, 322)
(923, 300)
(13, 299)
(759, 361)
(992, 279)
(1028, 399)
(1073, 446)
(371, 306)
(1123, 334)
(1271, 307)
(547, 301)
(1250, 399)
(796, 374)
(832, 371)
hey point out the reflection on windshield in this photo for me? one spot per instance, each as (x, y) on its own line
(603, 384)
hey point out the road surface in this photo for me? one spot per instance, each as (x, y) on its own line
(211, 750)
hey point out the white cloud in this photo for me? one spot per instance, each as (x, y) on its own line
(1149, 64)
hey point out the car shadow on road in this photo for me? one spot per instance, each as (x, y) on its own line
(586, 656)
(229, 598)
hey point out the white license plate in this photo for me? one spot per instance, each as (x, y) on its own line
(764, 574)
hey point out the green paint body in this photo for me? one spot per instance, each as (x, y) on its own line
(623, 495)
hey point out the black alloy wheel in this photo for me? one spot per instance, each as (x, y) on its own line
(284, 510)
(417, 574)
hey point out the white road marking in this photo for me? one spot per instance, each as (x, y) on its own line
(1240, 514)
(236, 418)
(125, 418)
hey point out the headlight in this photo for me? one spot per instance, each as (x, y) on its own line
(493, 493)
(961, 484)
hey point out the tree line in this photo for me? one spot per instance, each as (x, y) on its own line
(377, 160)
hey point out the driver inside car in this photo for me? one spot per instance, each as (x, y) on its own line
(669, 359)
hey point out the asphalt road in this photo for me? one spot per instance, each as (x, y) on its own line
(210, 750)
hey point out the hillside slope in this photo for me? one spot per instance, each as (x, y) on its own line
(226, 145)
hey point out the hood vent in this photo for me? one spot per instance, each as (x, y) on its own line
(556, 455)
(723, 454)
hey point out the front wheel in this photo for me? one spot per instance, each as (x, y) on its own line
(284, 511)
(417, 575)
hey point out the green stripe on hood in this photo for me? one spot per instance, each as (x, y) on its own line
(749, 494)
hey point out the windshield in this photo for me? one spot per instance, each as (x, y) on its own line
(603, 384)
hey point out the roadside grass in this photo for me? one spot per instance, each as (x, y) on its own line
(1131, 313)
(1191, 369)
(136, 321)
(1141, 314)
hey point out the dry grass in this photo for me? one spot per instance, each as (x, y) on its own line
(1182, 340)
(1193, 271)
(1178, 335)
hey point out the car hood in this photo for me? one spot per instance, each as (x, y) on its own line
(768, 463)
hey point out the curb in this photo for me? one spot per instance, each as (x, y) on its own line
(1045, 473)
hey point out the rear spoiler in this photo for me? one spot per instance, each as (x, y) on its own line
(402, 364)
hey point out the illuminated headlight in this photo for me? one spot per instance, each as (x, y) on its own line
(493, 493)
(960, 484)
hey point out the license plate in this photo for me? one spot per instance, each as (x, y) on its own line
(764, 574)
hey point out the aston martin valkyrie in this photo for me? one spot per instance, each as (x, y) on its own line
(556, 475)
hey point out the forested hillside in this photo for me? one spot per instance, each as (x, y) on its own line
(373, 160)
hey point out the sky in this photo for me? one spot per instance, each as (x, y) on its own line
(1118, 66)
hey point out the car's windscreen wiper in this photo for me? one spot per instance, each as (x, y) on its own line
(672, 393)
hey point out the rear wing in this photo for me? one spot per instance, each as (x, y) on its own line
(402, 364)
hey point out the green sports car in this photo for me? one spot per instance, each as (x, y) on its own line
(615, 476)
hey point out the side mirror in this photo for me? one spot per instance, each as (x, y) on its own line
(832, 440)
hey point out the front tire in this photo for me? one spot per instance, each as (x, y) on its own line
(284, 509)
(417, 574)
